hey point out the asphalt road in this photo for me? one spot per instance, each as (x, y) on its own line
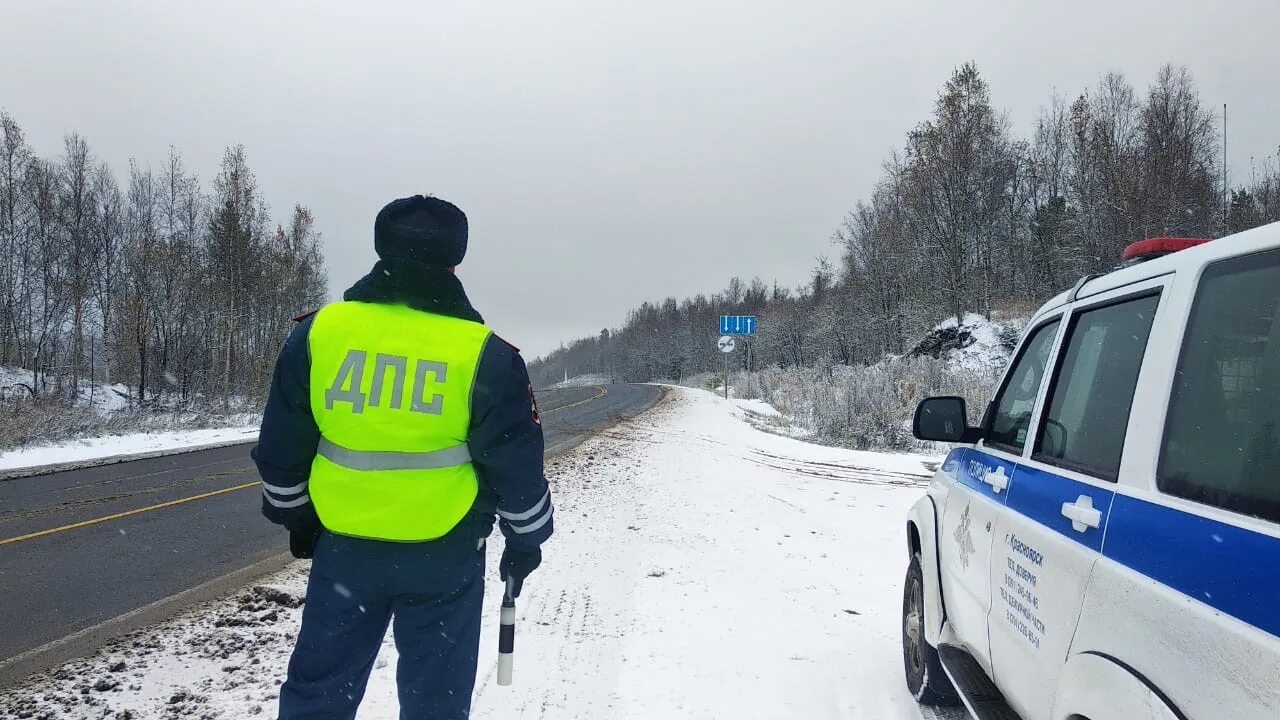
(83, 547)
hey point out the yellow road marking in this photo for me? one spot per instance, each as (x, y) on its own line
(202, 496)
(117, 516)
(603, 392)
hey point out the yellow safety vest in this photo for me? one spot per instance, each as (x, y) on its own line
(391, 394)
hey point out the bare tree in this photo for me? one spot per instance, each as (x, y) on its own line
(1180, 194)
(140, 287)
(15, 158)
(108, 242)
(236, 241)
(75, 211)
(953, 181)
(47, 297)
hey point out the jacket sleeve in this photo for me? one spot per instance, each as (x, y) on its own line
(288, 438)
(506, 445)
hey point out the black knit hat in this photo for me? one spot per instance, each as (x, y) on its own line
(423, 229)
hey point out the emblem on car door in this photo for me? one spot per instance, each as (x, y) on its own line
(964, 538)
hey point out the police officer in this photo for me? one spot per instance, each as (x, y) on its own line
(396, 428)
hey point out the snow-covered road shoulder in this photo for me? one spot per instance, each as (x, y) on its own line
(89, 452)
(701, 569)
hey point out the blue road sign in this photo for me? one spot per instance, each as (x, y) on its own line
(737, 324)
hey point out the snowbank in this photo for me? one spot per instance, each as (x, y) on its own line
(757, 407)
(16, 384)
(701, 569)
(763, 416)
(583, 381)
(91, 451)
(100, 422)
(975, 344)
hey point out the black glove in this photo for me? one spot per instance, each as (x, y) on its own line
(516, 564)
(302, 543)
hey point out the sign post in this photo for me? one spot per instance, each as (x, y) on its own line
(726, 345)
(730, 326)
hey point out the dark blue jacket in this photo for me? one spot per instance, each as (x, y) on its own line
(505, 437)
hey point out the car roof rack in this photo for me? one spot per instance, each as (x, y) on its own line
(1075, 291)
(1138, 252)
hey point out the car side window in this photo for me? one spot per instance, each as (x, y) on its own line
(1011, 419)
(1088, 408)
(1222, 439)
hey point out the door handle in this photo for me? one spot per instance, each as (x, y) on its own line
(1082, 514)
(996, 479)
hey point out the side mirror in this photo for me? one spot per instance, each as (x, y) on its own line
(944, 419)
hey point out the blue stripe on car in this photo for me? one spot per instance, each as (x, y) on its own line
(1039, 495)
(1228, 568)
(1231, 569)
(972, 466)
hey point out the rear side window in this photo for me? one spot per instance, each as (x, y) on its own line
(1222, 439)
(1092, 393)
(1011, 420)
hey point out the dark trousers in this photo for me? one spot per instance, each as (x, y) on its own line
(432, 592)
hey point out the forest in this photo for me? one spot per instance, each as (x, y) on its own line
(173, 294)
(967, 217)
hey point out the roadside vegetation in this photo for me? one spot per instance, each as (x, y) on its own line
(139, 302)
(968, 220)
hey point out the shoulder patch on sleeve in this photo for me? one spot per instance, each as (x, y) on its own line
(504, 341)
(304, 316)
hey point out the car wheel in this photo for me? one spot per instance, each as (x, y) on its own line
(925, 677)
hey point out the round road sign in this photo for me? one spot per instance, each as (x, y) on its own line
(726, 344)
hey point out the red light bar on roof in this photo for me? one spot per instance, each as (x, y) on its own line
(1156, 247)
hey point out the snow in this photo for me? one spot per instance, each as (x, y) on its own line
(701, 569)
(763, 416)
(104, 398)
(155, 432)
(583, 381)
(986, 353)
(99, 449)
(758, 407)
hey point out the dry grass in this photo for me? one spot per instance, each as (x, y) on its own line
(28, 423)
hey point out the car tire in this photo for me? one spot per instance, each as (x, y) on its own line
(926, 680)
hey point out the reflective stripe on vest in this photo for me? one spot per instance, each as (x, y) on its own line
(391, 394)
(391, 460)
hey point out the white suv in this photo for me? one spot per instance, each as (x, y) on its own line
(1106, 543)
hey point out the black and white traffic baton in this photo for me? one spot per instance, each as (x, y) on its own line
(507, 634)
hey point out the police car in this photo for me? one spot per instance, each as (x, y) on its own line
(1106, 542)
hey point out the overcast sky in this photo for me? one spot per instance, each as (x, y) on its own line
(605, 152)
